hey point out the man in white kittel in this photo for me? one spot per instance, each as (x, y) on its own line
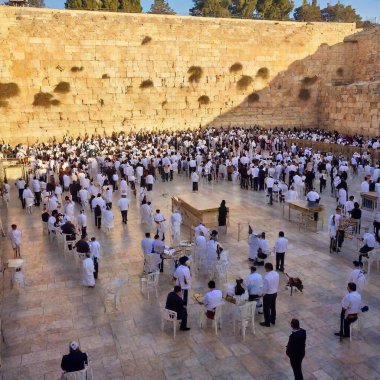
(176, 221)
(88, 271)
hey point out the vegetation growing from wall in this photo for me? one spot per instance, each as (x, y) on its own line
(196, 73)
(76, 69)
(105, 76)
(62, 88)
(262, 73)
(340, 71)
(204, 100)
(236, 67)
(146, 40)
(309, 81)
(244, 82)
(253, 98)
(45, 99)
(304, 94)
(7, 91)
(146, 84)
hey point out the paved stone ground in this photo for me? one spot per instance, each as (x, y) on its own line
(54, 308)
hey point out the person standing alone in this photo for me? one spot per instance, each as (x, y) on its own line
(295, 349)
(270, 288)
(280, 247)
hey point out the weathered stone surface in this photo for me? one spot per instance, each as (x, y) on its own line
(101, 56)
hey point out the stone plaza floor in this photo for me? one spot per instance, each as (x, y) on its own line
(54, 308)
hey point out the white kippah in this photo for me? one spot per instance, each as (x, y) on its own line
(74, 345)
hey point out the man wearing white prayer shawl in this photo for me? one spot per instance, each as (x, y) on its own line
(254, 245)
(161, 224)
(88, 271)
(175, 222)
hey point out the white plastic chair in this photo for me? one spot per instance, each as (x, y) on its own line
(169, 316)
(216, 322)
(245, 315)
(150, 282)
(151, 263)
(84, 374)
(356, 326)
(374, 256)
(221, 269)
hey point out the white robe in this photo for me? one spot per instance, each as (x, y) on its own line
(108, 219)
(176, 221)
(254, 244)
(211, 254)
(146, 215)
(88, 272)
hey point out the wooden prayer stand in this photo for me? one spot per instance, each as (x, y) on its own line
(306, 214)
(370, 201)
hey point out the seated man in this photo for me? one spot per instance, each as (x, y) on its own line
(212, 299)
(75, 360)
(175, 303)
(369, 244)
(159, 248)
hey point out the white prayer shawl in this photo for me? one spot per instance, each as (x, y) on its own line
(108, 219)
(176, 221)
(146, 214)
(15, 238)
(254, 245)
(211, 254)
(88, 272)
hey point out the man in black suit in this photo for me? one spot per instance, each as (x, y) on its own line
(175, 303)
(296, 348)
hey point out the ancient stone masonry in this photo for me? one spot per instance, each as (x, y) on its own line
(77, 71)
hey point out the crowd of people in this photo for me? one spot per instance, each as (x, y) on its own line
(70, 178)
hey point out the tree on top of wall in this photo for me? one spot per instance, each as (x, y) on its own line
(112, 5)
(243, 8)
(308, 12)
(131, 6)
(92, 4)
(161, 7)
(340, 13)
(274, 9)
(74, 4)
(211, 8)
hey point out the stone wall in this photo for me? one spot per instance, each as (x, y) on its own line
(106, 59)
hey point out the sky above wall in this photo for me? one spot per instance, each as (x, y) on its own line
(366, 8)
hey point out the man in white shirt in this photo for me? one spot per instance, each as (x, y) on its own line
(270, 184)
(369, 244)
(36, 186)
(21, 186)
(280, 247)
(212, 299)
(195, 180)
(291, 195)
(349, 206)
(123, 205)
(312, 198)
(83, 195)
(161, 224)
(357, 276)
(14, 236)
(254, 284)
(270, 288)
(376, 225)
(183, 277)
(147, 244)
(351, 306)
(82, 222)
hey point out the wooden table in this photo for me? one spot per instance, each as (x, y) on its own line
(196, 209)
(307, 213)
(370, 200)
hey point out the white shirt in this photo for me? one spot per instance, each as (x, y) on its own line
(82, 220)
(212, 299)
(183, 278)
(364, 187)
(270, 182)
(369, 239)
(123, 204)
(352, 303)
(254, 283)
(358, 278)
(281, 244)
(271, 281)
(312, 196)
(94, 248)
(15, 237)
(147, 245)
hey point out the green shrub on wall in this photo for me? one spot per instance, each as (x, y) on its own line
(253, 98)
(105, 76)
(244, 82)
(263, 73)
(146, 40)
(7, 91)
(196, 74)
(146, 84)
(204, 100)
(76, 69)
(304, 94)
(44, 99)
(340, 71)
(62, 88)
(236, 67)
(309, 81)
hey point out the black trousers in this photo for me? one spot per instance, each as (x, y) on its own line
(37, 199)
(149, 187)
(255, 183)
(280, 259)
(183, 317)
(98, 221)
(269, 306)
(296, 364)
(96, 267)
(364, 252)
(84, 230)
(185, 295)
(270, 192)
(376, 226)
(124, 214)
(345, 323)
(195, 186)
